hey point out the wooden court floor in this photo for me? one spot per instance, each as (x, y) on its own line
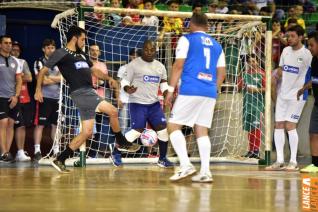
(135, 188)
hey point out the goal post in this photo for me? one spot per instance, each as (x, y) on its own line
(237, 111)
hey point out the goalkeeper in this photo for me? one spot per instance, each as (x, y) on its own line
(76, 69)
(253, 85)
(144, 77)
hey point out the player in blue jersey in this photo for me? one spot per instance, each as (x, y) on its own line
(200, 63)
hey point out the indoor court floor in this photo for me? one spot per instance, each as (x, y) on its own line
(135, 188)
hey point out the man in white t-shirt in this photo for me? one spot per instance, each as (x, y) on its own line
(294, 71)
(149, 20)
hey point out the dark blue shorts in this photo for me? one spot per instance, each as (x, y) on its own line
(140, 114)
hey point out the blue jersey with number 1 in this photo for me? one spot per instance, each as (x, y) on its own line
(199, 76)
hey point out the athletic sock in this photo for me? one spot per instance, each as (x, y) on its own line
(180, 147)
(293, 143)
(163, 148)
(120, 138)
(65, 154)
(279, 137)
(204, 145)
(37, 148)
(314, 160)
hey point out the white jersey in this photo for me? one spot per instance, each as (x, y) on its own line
(146, 77)
(295, 71)
(122, 71)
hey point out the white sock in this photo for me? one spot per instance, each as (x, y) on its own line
(279, 137)
(293, 143)
(37, 148)
(204, 145)
(20, 152)
(180, 147)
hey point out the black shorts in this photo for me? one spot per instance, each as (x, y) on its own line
(313, 126)
(14, 113)
(46, 112)
(27, 114)
(86, 100)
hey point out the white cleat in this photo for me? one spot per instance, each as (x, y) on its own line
(202, 178)
(22, 157)
(183, 173)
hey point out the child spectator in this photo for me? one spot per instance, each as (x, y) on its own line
(149, 20)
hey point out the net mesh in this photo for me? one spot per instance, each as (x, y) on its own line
(238, 117)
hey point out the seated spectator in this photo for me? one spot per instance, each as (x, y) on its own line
(278, 43)
(113, 18)
(212, 6)
(250, 8)
(295, 12)
(222, 7)
(149, 20)
(291, 22)
(135, 4)
(196, 8)
(95, 3)
(265, 11)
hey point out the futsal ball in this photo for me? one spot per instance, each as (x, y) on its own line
(148, 137)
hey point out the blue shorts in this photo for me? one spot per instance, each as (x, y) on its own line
(140, 114)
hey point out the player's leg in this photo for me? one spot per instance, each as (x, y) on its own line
(157, 120)
(313, 132)
(112, 112)
(294, 111)
(3, 134)
(53, 121)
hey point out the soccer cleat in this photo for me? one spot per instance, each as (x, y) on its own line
(37, 156)
(202, 178)
(7, 158)
(276, 167)
(128, 147)
(309, 169)
(59, 166)
(292, 166)
(23, 157)
(116, 159)
(252, 154)
(165, 163)
(183, 173)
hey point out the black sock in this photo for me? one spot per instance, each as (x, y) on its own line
(120, 138)
(314, 160)
(65, 154)
(163, 148)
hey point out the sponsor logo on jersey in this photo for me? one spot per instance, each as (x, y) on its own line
(206, 41)
(81, 64)
(300, 60)
(12, 65)
(204, 76)
(293, 116)
(153, 79)
(314, 80)
(291, 69)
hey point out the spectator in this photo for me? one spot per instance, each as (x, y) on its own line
(196, 8)
(222, 7)
(95, 3)
(47, 111)
(212, 6)
(135, 4)
(10, 87)
(150, 20)
(25, 105)
(113, 18)
(278, 43)
(295, 12)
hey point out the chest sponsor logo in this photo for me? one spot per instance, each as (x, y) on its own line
(300, 60)
(12, 65)
(204, 76)
(153, 79)
(81, 64)
(291, 69)
(206, 41)
(314, 80)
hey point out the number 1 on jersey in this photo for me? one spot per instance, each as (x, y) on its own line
(206, 52)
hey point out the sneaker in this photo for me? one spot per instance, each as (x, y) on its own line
(183, 173)
(292, 166)
(276, 167)
(128, 147)
(7, 158)
(165, 163)
(309, 169)
(37, 156)
(251, 154)
(116, 159)
(59, 166)
(23, 157)
(202, 178)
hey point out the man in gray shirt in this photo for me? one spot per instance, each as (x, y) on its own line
(10, 87)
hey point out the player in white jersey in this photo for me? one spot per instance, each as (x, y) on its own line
(144, 77)
(200, 62)
(294, 71)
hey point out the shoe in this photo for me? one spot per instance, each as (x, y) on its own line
(292, 166)
(59, 166)
(165, 163)
(251, 154)
(202, 178)
(7, 158)
(37, 156)
(23, 157)
(276, 167)
(183, 173)
(128, 147)
(116, 159)
(309, 169)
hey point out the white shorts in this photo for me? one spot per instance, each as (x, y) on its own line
(288, 110)
(193, 110)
